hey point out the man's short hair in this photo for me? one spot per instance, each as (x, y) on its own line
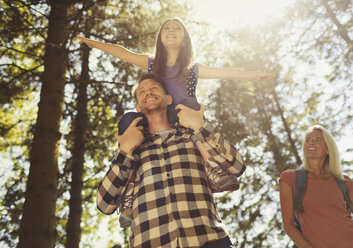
(149, 75)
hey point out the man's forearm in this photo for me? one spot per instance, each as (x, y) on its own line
(113, 184)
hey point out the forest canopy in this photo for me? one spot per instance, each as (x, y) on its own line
(61, 101)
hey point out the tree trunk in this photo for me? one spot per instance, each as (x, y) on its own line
(273, 143)
(37, 228)
(73, 229)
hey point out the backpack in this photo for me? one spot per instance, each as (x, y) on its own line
(301, 177)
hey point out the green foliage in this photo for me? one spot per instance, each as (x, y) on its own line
(16, 135)
(109, 86)
(320, 32)
(21, 49)
(266, 122)
(20, 67)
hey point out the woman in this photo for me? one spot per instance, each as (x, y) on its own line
(325, 221)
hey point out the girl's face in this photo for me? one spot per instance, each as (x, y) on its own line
(172, 34)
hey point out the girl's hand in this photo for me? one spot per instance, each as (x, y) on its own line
(190, 118)
(84, 40)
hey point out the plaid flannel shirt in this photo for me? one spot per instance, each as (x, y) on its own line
(173, 204)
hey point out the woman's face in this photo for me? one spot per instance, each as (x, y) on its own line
(315, 146)
(172, 34)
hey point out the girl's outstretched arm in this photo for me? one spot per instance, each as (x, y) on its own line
(120, 52)
(232, 73)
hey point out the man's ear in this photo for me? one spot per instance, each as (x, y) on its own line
(138, 108)
(169, 99)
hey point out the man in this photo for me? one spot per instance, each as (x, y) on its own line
(173, 204)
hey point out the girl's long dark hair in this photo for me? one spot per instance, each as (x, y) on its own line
(184, 58)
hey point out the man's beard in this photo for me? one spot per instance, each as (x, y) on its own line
(155, 108)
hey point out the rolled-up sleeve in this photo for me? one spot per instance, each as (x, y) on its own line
(222, 152)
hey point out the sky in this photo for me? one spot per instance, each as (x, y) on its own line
(222, 13)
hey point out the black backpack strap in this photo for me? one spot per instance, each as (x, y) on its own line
(344, 190)
(301, 177)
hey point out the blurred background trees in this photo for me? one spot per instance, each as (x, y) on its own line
(87, 91)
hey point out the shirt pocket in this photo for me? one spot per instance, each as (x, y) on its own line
(149, 173)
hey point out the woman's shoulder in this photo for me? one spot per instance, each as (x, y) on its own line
(288, 173)
(288, 176)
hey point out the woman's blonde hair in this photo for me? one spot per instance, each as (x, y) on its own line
(332, 162)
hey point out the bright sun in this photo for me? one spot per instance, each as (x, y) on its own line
(223, 13)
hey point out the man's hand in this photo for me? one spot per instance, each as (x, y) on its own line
(190, 118)
(132, 137)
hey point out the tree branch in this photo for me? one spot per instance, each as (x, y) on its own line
(340, 28)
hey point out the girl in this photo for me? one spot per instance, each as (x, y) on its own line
(172, 64)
